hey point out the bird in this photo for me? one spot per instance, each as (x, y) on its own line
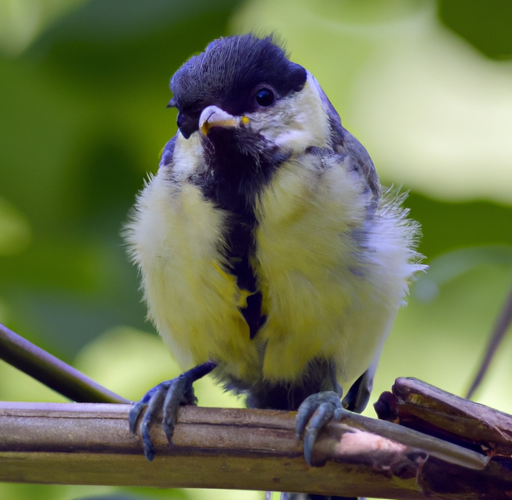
(270, 255)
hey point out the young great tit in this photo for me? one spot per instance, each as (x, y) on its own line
(268, 254)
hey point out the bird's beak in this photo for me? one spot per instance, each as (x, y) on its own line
(212, 116)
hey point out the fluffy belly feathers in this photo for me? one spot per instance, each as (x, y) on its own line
(331, 283)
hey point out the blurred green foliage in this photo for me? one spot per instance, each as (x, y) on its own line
(486, 25)
(83, 90)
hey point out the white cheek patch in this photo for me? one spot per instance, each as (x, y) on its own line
(299, 121)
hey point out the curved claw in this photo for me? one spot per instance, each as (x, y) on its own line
(314, 413)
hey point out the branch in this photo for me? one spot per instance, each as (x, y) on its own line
(225, 448)
(51, 371)
(428, 409)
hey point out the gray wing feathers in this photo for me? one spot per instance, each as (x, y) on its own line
(344, 142)
(363, 162)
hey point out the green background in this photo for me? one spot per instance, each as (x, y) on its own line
(426, 86)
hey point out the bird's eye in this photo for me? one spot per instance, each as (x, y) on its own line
(265, 97)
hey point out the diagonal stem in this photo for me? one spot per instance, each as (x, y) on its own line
(51, 371)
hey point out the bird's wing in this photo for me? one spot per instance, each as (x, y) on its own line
(344, 142)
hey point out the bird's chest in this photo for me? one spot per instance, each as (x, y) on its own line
(309, 265)
(299, 250)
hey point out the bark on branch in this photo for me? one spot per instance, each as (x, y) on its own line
(255, 449)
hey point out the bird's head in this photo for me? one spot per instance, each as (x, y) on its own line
(243, 93)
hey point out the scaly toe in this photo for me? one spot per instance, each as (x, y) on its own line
(152, 402)
(180, 393)
(314, 413)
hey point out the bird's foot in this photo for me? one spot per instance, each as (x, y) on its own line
(313, 415)
(166, 397)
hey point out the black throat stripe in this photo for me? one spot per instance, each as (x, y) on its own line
(233, 180)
